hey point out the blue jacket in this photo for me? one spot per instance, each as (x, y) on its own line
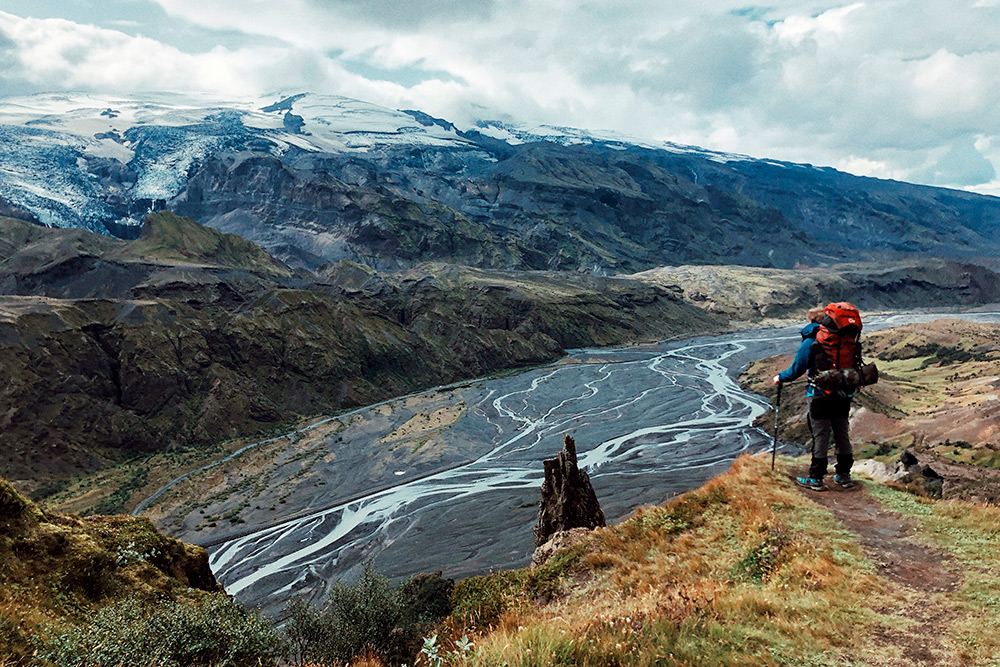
(804, 360)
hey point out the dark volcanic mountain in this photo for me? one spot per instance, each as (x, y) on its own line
(317, 179)
(186, 336)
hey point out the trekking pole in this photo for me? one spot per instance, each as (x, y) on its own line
(774, 445)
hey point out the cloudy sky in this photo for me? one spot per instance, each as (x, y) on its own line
(905, 89)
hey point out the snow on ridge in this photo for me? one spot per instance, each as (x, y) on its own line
(344, 122)
(567, 136)
(52, 145)
(331, 122)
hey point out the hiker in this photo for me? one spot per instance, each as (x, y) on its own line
(828, 346)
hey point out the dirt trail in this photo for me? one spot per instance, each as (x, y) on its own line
(924, 575)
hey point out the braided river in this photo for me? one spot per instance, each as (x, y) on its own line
(650, 422)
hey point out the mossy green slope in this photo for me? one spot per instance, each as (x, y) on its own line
(173, 239)
(58, 569)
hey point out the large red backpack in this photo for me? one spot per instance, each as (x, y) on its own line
(837, 338)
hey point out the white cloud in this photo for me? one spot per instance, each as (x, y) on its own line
(895, 88)
(863, 166)
(58, 54)
(946, 83)
(826, 27)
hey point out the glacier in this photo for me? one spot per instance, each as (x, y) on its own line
(101, 162)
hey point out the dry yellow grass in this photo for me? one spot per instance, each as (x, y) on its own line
(744, 571)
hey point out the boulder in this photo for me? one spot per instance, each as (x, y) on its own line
(877, 471)
(907, 470)
(922, 475)
(560, 540)
(568, 499)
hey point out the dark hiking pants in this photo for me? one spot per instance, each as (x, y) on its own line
(826, 422)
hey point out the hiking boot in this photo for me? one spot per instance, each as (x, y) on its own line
(844, 481)
(810, 483)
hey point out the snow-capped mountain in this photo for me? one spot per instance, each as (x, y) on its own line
(56, 149)
(317, 178)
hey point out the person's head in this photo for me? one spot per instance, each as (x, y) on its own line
(817, 314)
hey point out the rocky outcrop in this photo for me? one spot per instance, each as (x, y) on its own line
(568, 499)
(559, 540)
(909, 471)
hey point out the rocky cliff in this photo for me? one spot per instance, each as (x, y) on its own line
(591, 207)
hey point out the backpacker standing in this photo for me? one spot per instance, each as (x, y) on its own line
(831, 356)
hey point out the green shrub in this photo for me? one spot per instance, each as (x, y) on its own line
(426, 598)
(369, 616)
(763, 559)
(306, 632)
(214, 632)
(480, 601)
(89, 572)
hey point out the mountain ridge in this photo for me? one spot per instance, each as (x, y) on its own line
(394, 188)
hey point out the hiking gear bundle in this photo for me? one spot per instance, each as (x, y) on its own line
(838, 351)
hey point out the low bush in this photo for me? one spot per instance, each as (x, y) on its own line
(763, 559)
(215, 632)
(370, 617)
(480, 602)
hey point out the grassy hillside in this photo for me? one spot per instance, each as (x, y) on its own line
(748, 570)
(58, 570)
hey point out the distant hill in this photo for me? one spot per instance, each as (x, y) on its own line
(749, 293)
(184, 338)
(172, 239)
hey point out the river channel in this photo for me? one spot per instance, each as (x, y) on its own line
(650, 422)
